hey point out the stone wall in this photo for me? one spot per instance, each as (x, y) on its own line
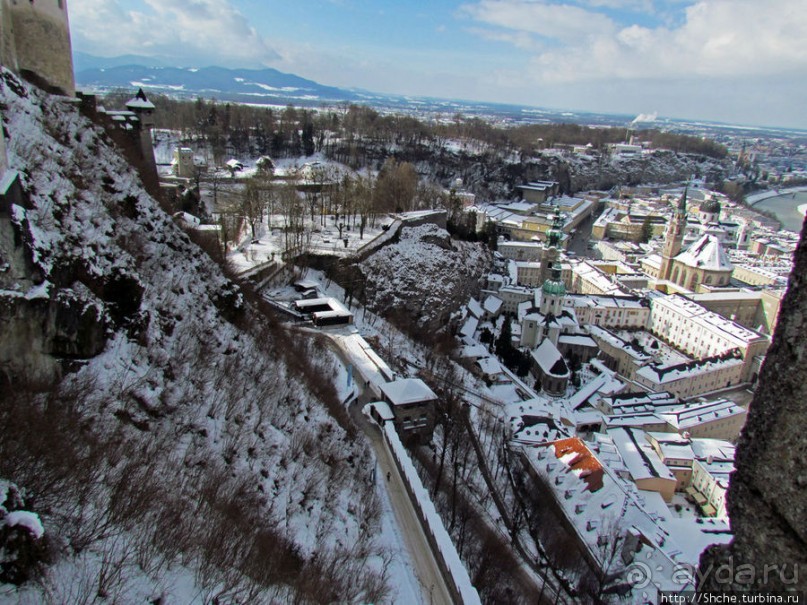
(767, 499)
(42, 41)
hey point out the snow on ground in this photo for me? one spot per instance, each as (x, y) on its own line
(456, 569)
(270, 241)
(402, 570)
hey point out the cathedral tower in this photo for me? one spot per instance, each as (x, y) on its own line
(551, 253)
(674, 237)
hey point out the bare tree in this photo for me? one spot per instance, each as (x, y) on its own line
(253, 205)
(396, 186)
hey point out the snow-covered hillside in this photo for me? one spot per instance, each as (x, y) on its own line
(194, 458)
(425, 276)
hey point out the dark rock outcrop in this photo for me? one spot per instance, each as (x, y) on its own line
(767, 500)
(38, 333)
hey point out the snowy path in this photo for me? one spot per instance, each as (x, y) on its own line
(432, 584)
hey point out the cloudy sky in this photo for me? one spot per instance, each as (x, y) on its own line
(740, 61)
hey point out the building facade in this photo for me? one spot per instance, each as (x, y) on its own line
(702, 333)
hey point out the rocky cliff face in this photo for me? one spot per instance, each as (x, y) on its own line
(767, 500)
(494, 175)
(423, 277)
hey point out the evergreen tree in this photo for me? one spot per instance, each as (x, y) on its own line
(308, 138)
(504, 343)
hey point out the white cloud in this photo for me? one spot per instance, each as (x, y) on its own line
(522, 40)
(631, 5)
(555, 21)
(716, 38)
(188, 30)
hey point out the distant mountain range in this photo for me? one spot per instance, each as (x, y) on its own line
(243, 85)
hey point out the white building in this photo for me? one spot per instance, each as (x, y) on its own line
(694, 377)
(701, 333)
(609, 311)
(521, 251)
(711, 470)
(722, 419)
(528, 273)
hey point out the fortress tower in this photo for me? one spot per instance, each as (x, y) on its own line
(35, 42)
(141, 107)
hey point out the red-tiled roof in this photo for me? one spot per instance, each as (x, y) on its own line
(585, 464)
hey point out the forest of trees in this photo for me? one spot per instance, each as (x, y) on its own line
(235, 129)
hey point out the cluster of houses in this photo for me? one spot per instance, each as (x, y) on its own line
(634, 356)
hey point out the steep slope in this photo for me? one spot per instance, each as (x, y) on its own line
(189, 455)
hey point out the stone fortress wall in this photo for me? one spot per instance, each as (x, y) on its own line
(35, 42)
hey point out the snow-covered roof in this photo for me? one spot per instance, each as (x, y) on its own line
(652, 260)
(306, 284)
(549, 359)
(407, 390)
(708, 320)
(668, 374)
(138, 104)
(580, 340)
(700, 413)
(583, 463)
(672, 445)
(474, 351)
(475, 308)
(493, 305)
(188, 219)
(707, 253)
(538, 185)
(716, 449)
(519, 244)
(602, 301)
(626, 403)
(600, 504)
(604, 383)
(140, 101)
(637, 420)
(469, 327)
(606, 336)
(637, 454)
(330, 302)
(490, 366)
(519, 207)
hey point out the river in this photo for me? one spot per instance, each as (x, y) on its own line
(789, 208)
